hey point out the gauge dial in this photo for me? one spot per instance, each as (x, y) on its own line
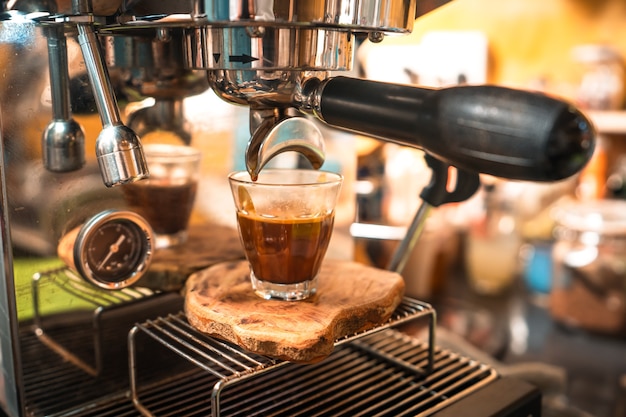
(114, 249)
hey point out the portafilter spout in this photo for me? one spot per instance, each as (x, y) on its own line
(275, 132)
(118, 148)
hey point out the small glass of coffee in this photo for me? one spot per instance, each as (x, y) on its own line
(167, 197)
(285, 220)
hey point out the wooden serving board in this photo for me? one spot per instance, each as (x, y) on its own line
(350, 298)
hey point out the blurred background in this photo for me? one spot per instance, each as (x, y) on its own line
(527, 273)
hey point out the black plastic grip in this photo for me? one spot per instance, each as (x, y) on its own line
(494, 130)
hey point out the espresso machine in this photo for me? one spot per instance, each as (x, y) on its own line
(282, 59)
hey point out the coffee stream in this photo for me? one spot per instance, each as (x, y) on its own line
(285, 251)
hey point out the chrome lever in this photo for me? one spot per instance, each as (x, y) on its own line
(118, 148)
(63, 140)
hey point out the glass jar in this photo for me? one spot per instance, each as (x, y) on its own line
(602, 82)
(589, 258)
(492, 243)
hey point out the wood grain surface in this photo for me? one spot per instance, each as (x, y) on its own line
(351, 298)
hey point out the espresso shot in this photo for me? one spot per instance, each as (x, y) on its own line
(285, 251)
(285, 220)
(168, 205)
(166, 199)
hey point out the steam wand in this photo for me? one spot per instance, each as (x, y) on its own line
(63, 140)
(118, 148)
(434, 194)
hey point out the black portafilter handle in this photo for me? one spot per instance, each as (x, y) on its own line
(500, 131)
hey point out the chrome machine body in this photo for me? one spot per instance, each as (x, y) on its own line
(65, 59)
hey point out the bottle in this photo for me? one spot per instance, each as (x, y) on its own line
(493, 244)
(602, 82)
(589, 275)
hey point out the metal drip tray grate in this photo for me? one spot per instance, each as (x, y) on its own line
(353, 381)
(97, 306)
(381, 372)
(177, 371)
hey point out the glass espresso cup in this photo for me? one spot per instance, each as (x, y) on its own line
(285, 220)
(167, 197)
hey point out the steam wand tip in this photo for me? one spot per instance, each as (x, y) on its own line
(120, 156)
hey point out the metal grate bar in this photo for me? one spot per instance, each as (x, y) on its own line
(362, 405)
(116, 406)
(219, 358)
(42, 371)
(177, 397)
(368, 389)
(408, 310)
(373, 375)
(323, 392)
(243, 397)
(403, 350)
(253, 361)
(390, 394)
(67, 280)
(307, 383)
(377, 373)
(101, 301)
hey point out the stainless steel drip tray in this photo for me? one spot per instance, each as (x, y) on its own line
(177, 371)
(378, 374)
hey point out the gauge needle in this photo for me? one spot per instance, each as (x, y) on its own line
(112, 250)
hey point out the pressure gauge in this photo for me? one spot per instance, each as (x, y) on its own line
(112, 250)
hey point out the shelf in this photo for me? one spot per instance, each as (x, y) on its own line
(610, 122)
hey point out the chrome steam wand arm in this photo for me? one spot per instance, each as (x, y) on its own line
(63, 140)
(494, 130)
(98, 76)
(118, 148)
